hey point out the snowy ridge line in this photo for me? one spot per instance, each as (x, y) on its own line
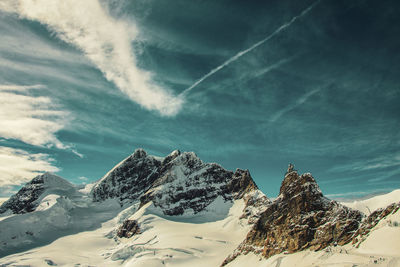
(223, 214)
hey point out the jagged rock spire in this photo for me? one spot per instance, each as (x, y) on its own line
(290, 168)
(300, 218)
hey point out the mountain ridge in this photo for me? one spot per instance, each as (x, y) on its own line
(134, 203)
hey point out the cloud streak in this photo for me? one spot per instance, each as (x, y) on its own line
(32, 120)
(105, 40)
(244, 52)
(13, 87)
(18, 166)
(299, 102)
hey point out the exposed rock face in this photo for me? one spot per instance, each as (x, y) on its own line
(27, 198)
(300, 218)
(128, 229)
(177, 184)
(129, 179)
(371, 221)
(241, 183)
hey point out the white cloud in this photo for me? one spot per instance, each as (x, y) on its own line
(32, 120)
(18, 166)
(105, 40)
(13, 87)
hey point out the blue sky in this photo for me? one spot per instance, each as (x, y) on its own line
(84, 83)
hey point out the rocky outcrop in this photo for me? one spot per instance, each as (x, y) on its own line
(177, 184)
(300, 218)
(371, 221)
(128, 229)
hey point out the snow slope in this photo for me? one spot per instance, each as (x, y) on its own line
(57, 208)
(65, 227)
(31, 194)
(173, 241)
(162, 242)
(368, 206)
(56, 216)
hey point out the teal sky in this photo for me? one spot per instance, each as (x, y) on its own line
(85, 83)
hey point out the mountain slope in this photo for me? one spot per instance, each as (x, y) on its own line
(367, 206)
(179, 188)
(181, 211)
(45, 209)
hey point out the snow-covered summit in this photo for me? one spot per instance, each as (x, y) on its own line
(29, 196)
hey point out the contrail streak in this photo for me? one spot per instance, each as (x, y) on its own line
(242, 53)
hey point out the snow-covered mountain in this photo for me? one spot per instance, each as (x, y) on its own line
(181, 211)
(179, 189)
(178, 185)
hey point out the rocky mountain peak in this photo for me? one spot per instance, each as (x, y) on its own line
(242, 183)
(139, 153)
(173, 155)
(294, 184)
(179, 184)
(128, 179)
(300, 218)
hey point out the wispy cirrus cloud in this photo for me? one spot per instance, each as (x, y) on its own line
(390, 160)
(105, 40)
(294, 105)
(14, 87)
(19, 166)
(352, 196)
(32, 120)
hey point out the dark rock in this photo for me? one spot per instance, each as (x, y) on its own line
(241, 183)
(139, 153)
(128, 229)
(128, 180)
(50, 262)
(25, 200)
